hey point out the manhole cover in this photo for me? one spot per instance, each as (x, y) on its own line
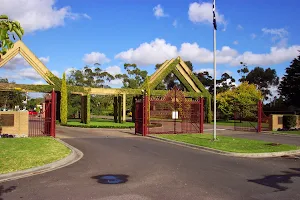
(111, 179)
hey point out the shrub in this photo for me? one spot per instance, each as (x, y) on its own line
(289, 121)
(64, 101)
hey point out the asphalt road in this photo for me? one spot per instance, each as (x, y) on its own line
(156, 170)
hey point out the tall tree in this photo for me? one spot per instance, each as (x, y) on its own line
(134, 77)
(64, 101)
(90, 77)
(8, 30)
(243, 72)
(289, 86)
(225, 83)
(264, 79)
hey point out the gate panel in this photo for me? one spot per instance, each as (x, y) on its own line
(139, 117)
(174, 114)
(43, 124)
(246, 118)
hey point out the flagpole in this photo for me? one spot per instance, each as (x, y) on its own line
(215, 73)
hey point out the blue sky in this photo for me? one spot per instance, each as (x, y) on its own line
(70, 34)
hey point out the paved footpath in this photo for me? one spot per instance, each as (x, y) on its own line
(156, 170)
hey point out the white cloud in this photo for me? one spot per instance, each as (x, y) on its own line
(202, 13)
(158, 11)
(277, 32)
(235, 42)
(20, 62)
(113, 70)
(175, 23)
(115, 82)
(154, 52)
(86, 16)
(275, 56)
(44, 59)
(56, 73)
(253, 36)
(198, 54)
(240, 27)
(69, 70)
(39, 83)
(28, 73)
(38, 14)
(159, 50)
(279, 36)
(95, 57)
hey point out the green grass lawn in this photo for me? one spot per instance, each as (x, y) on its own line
(238, 124)
(229, 144)
(287, 132)
(24, 153)
(99, 123)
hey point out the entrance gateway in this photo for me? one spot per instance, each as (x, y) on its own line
(171, 114)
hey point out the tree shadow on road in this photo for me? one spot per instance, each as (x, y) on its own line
(274, 181)
(7, 190)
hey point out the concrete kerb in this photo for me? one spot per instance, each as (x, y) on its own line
(244, 155)
(73, 157)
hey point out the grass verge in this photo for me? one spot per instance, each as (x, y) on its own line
(230, 144)
(287, 132)
(24, 153)
(239, 124)
(99, 123)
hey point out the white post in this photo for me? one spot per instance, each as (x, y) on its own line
(124, 107)
(215, 81)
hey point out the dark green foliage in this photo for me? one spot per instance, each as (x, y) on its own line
(90, 77)
(226, 82)
(10, 99)
(88, 109)
(262, 78)
(243, 72)
(289, 87)
(32, 103)
(134, 77)
(289, 121)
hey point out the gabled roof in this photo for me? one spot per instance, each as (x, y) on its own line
(181, 71)
(23, 50)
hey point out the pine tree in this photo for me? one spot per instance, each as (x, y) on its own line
(64, 101)
(289, 86)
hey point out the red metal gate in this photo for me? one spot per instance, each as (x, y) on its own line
(251, 118)
(43, 124)
(171, 114)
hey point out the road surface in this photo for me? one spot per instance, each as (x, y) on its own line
(150, 169)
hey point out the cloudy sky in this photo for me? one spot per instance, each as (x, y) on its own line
(71, 34)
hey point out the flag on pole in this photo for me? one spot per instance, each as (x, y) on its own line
(214, 15)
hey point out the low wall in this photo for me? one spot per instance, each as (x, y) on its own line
(277, 122)
(15, 122)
